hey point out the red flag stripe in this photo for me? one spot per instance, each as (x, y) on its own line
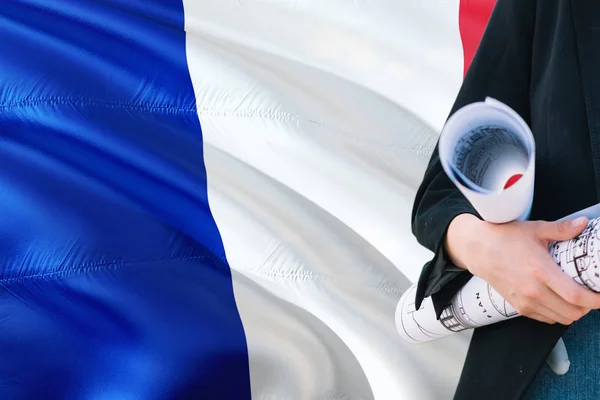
(473, 16)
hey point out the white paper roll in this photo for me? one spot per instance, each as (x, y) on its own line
(482, 146)
(579, 258)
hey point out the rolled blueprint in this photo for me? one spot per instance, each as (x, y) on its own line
(488, 152)
(478, 304)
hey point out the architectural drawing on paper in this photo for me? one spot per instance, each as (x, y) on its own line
(579, 258)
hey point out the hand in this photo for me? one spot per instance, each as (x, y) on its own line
(514, 259)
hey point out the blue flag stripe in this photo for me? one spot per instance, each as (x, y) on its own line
(113, 280)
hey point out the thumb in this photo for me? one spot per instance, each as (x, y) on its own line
(562, 230)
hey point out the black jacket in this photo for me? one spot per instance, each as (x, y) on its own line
(542, 58)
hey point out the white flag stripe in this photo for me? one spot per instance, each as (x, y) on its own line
(318, 119)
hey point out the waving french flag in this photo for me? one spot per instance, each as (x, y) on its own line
(210, 199)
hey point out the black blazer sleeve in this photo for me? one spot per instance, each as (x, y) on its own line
(501, 69)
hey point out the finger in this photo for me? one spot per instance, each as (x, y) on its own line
(551, 314)
(545, 305)
(542, 318)
(561, 230)
(571, 291)
(557, 308)
(543, 313)
(535, 307)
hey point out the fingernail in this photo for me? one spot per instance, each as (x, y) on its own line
(578, 221)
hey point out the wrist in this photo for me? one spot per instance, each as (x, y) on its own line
(462, 239)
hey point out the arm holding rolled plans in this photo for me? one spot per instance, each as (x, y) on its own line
(488, 152)
(478, 304)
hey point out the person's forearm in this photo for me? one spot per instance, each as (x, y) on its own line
(462, 239)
